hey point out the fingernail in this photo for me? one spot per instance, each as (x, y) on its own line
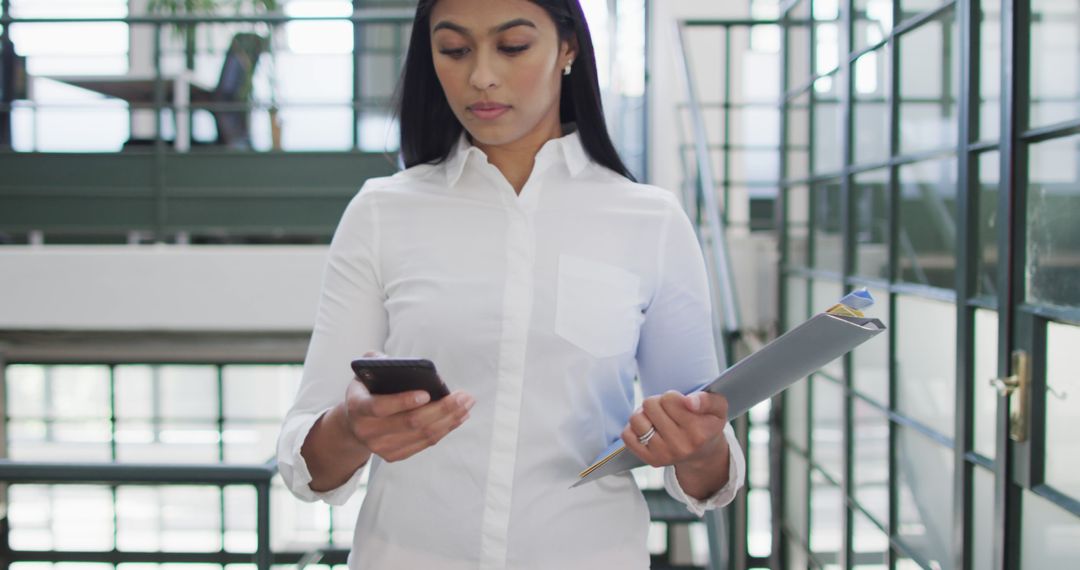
(694, 402)
(422, 398)
(469, 402)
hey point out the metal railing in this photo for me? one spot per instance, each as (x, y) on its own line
(713, 239)
(359, 18)
(12, 472)
(727, 530)
(114, 474)
(215, 194)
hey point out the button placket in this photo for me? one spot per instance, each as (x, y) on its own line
(517, 313)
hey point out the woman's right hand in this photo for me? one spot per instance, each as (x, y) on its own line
(398, 426)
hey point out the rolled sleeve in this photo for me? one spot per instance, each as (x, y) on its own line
(726, 494)
(294, 470)
(350, 321)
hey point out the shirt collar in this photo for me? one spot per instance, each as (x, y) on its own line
(567, 147)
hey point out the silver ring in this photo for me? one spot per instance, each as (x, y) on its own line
(644, 439)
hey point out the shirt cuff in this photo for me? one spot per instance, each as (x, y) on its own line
(294, 470)
(726, 494)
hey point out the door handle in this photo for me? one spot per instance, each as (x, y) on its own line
(1019, 383)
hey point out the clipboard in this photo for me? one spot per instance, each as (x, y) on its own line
(790, 357)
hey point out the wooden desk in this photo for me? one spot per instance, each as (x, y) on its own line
(179, 92)
(136, 89)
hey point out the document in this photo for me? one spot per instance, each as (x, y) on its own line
(792, 356)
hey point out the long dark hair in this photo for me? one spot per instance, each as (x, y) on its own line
(429, 129)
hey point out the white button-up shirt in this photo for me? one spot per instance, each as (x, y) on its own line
(544, 306)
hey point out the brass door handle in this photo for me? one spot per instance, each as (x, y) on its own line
(1018, 383)
(1007, 385)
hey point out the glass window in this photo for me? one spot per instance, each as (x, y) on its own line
(798, 51)
(986, 260)
(905, 563)
(797, 305)
(65, 118)
(826, 35)
(872, 123)
(61, 517)
(828, 131)
(1055, 62)
(870, 546)
(321, 36)
(1053, 236)
(40, 440)
(927, 204)
(189, 392)
(924, 488)
(827, 447)
(909, 8)
(870, 456)
(143, 441)
(1050, 535)
(990, 70)
(137, 391)
(871, 197)
(249, 442)
(797, 557)
(757, 468)
(929, 85)
(79, 392)
(758, 515)
(752, 166)
(870, 361)
(799, 9)
(26, 385)
(798, 137)
(263, 392)
(29, 514)
(311, 526)
(826, 518)
(925, 333)
(798, 226)
(828, 214)
(986, 364)
(982, 518)
(1062, 391)
(795, 414)
(757, 53)
(873, 21)
(315, 128)
(796, 481)
(240, 519)
(67, 415)
(758, 125)
(824, 294)
(376, 70)
(178, 518)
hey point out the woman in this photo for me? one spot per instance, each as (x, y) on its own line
(519, 256)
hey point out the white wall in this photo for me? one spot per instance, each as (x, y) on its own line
(160, 288)
(664, 84)
(753, 257)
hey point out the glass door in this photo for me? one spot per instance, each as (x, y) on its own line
(1036, 483)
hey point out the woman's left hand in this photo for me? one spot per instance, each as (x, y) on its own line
(689, 430)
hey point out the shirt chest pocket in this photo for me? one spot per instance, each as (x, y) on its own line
(596, 306)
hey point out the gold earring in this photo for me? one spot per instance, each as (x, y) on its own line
(566, 70)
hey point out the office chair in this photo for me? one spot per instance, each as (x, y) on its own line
(233, 88)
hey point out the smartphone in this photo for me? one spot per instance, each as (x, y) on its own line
(394, 375)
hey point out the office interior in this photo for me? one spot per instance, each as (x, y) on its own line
(170, 180)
